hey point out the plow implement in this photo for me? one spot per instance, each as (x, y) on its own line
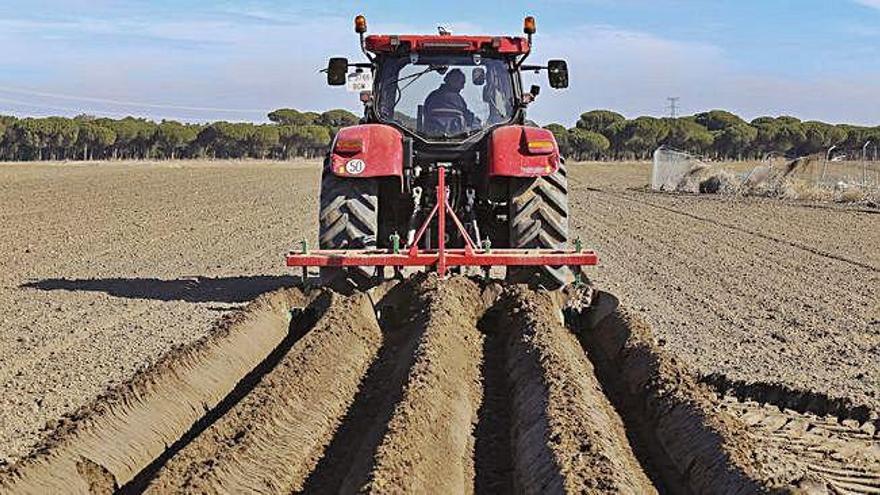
(441, 258)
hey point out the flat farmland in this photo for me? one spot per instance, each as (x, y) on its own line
(108, 269)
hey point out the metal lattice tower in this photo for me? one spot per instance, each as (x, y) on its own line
(673, 106)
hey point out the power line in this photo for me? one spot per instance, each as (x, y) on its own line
(51, 110)
(43, 94)
(54, 108)
(673, 106)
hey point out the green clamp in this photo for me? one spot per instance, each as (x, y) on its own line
(304, 246)
(395, 243)
(578, 245)
(486, 245)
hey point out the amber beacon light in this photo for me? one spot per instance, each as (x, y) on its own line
(360, 24)
(529, 25)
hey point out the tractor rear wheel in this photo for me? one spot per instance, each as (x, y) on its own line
(349, 219)
(538, 219)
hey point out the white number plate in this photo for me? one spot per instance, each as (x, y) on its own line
(360, 81)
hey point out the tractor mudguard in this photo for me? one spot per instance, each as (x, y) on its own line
(521, 151)
(369, 150)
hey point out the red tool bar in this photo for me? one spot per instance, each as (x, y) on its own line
(453, 257)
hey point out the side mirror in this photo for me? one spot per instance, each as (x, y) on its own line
(557, 72)
(337, 69)
(478, 76)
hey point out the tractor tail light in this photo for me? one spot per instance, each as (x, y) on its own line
(349, 146)
(541, 147)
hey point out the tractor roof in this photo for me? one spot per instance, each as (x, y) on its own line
(511, 45)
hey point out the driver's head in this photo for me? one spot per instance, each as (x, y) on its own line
(455, 79)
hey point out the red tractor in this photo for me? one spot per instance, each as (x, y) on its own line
(444, 122)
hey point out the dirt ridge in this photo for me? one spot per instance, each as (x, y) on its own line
(717, 443)
(121, 432)
(272, 439)
(567, 437)
(428, 445)
(347, 460)
(707, 450)
(455, 385)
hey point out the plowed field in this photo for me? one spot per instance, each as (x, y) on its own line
(743, 356)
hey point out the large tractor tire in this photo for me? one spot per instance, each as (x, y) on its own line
(538, 219)
(349, 219)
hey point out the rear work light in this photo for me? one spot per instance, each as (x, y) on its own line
(349, 146)
(541, 147)
(448, 45)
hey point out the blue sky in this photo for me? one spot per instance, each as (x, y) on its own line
(236, 60)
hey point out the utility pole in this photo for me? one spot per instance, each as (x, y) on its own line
(673, 106)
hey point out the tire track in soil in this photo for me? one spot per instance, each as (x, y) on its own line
(819, 454)
(827, 443)
(755, 233)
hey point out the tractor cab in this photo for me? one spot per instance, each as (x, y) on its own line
(445, 96)
(445, 87)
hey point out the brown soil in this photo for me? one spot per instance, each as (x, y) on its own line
(123, 431)
(428, 446)
(758, 291)
(273, 438)
(106, 267)
(700, 438)
(567, 436)
(340, 401)
(747, 358)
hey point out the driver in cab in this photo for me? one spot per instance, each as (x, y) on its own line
(445, 109)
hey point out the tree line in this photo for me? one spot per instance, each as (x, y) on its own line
(291, 134)
(597, 135)
(718, 134)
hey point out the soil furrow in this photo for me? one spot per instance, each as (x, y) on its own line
(348, 458)
(493, 449)
(459, 386)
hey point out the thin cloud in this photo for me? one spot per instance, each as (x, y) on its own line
(875, 4)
